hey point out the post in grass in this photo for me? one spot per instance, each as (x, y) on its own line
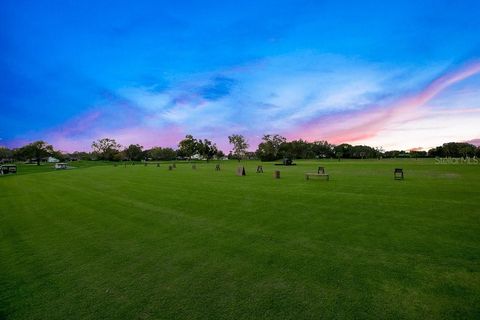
(276, 174)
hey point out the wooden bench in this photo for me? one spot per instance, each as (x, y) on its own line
(320, 173)
(312, 174)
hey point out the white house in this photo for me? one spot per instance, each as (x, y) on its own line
(197, 156)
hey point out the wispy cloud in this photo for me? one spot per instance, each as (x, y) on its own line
(306, 96)
(364, 124)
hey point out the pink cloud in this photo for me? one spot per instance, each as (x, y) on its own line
(363, 124)
(147, 137)
(80, 124)
(474, 142)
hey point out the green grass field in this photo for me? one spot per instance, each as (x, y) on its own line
(135, 242)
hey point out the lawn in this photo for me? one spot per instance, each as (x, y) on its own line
(136, 242)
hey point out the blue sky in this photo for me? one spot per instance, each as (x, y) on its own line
(150, 72)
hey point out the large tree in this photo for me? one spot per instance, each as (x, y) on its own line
(297, 149)
(36, 150)
(322, 149)
(58, 155)
(343, 150)
(106, 149)
(240, 145)
(188, 146)
(270, 147)
(207, 149)
(5, 153)
(158, 153)
(134, 152)
(355, 152)
(81, 155)
(454, 149)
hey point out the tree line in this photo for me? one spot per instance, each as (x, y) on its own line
(272, 147)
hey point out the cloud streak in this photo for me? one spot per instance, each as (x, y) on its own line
(363, 124)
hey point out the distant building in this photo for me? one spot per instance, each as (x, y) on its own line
(52, 160)
(197, 156)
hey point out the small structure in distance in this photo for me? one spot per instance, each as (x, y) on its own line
(241, 171)
(9, 168)
(60, 166)
(398, 174)
(286, 162)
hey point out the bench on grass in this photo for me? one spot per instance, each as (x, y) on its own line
(320, 173)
